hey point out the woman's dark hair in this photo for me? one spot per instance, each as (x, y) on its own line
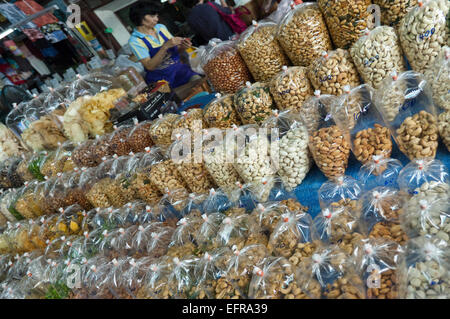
(139, 10)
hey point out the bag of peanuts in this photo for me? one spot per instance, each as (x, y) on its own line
(376, 54)
(438, 76)
(216, 202)
(382, 208)
(303, 34)
(423, 31)
(406, 103)
(224, 67)
(344, 188)
(379, 171)
(139, 137)
(261, 51)
(330, 274)
(424, 269)
(161, 129)
(254, 103)
(220, 112)
(418, 172)
(392, 12)
(363, 126)
(346, 19)
(290, 88)
(118, 141)
(291, 229)
(377, 260)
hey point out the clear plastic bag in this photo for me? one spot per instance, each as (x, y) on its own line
(118, 141)
(423, 31)
(444, 128)
(303, 34)
(290, 88)
(181, 278)
(141, 183)
(363, 126)
(393, 12)
(159, 241)
(379, 171)
(90, 84)
(268, 215)
(406, 105)
(220, 112)
(371, 58)
(346, 20)
(162, 128)
(332, 71)
(10, 145)
(261, 51)
(75, 128)
(345, 190)
(140, 138)
(424, 268)
(224, 67)
(254, 103)
(437, 75)
(165, 177)
(207, 231)
(192, 120)
(8, 173)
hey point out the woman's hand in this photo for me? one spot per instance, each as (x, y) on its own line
(173, 42)
(186, 43)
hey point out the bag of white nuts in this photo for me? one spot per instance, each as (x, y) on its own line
(224, 67)
(379, 171)
(424, 269)
(376, 54)
(438, 76)
(406, 104)
(423, 31)
(343, 188)
(346, 19)
(303, 34)
(261, 51)
(294, 158)
(290, 88)
(393, 11)
(363, 126)
(254, 103)
(220, 112)
(332, 71)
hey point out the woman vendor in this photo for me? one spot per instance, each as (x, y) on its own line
(157, 49)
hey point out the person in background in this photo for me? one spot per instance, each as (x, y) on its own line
(205, 22)
(157, 49)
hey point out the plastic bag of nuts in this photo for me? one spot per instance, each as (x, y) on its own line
(290, 88)
(329, 273)
(363, 126)
(118, 141)
(376, 54)
(332, 71)
(268, 215)
(382, 208)
(224, 67)
(392, 12)
(291, 229)
(303, 34)
(379, 171)
(424, 269)
(410, 114)
(140, 138)
(438, 76)
(423, 31)
(345, 190)
(254, 103)
(346, 19)
(165, 176)
(216, 202)
(444, 128)
(191, 120)
(376, 260)
(220, 112)
(261, 51)
(161, 129)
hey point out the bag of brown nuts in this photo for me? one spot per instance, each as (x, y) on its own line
(290, 88)
(220, 112)
(346, 19)
(254, 103)
(377, 260)
(392, 12)
(406, 105)
(438, 76)
(192, 120)
(423, 32)
(363, 126)
(224, 67)
(261, 51)
(344, 190)
(330, 274)
(444, 128)
(303, 34)
(161, 129)
(268, 215)
(139, 137)
(118, 141)
(379, 171)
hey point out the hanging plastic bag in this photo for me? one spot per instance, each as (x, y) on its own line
(253, 103)
(379, 171)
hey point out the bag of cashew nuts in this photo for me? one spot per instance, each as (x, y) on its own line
(327, 144)
(224, 67)
(220, 112)
(424, 269)
(330, 274)
(423, 32)
(406, 103)
(303, 34)
(419, 172)
(345, 190)
(382, 208)
(379, 171)
(377, 260)
(161, 129)
(438, 76)
(363, 126)
(376, 54)
(261, 51)
(254, 103)
(191, 121)
(346, 19)
(290, 88)
(291, 229)
(392, 12)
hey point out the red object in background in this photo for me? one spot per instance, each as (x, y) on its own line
(30, 7)
(11, 74)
